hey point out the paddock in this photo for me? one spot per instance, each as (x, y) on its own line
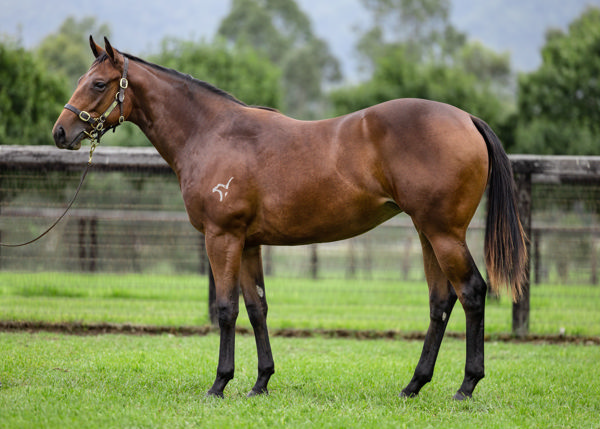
(130, 219)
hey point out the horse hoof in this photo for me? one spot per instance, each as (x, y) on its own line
(254, 393)
(211, 394)
(405, 394)
(459, 396)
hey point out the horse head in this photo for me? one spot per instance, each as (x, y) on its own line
(91, 111)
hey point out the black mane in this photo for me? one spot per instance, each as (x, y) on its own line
(187, 77)
(104, 56)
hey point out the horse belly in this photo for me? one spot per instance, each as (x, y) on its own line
(323, 221)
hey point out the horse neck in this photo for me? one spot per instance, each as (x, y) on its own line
(174, 112)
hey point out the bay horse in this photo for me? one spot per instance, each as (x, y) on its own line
(251, 176)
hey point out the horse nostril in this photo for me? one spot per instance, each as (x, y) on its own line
(60, 135)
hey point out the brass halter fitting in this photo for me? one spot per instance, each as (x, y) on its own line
(97, 124)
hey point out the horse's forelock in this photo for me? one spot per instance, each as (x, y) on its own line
(101, 58)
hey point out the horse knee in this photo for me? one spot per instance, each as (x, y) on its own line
(228, 312)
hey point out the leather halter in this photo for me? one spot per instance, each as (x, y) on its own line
(97, 124)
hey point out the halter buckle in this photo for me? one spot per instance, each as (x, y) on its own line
(85, 116)
(123, 83)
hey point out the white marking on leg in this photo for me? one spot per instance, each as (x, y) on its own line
(222, 193)
(260, 291)
(444, 316)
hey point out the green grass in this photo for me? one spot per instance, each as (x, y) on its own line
(293, 303)
(58, 381)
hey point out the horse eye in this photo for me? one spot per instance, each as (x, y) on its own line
(99, 86)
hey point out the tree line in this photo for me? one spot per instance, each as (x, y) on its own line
(265, 52)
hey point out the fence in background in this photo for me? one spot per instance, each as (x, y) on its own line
(130, 217)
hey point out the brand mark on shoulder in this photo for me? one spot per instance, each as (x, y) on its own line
(222, 189)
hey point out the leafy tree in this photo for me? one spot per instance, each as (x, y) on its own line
(280, 30)
(414, 51)
(30, 98)
(240, 70)
(488, 66)
(397, 77)
(559, 104)
(421, 28)
(67, 51)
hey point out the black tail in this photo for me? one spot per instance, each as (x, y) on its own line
(505, 247)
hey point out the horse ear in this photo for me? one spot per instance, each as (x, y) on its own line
(97, 50)
(109, 50)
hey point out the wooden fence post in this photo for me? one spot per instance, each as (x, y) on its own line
(212, 298)
(314, 262)
(82, 252)
(93, 244)
(520, 313)
(537, 258)
(267, 255)
(1, 199)
(203, 265)
(351, 265)
(594, 262)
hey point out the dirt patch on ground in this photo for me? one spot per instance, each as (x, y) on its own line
(75, 328)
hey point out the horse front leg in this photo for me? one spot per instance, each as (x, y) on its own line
(225, 254)
(253, 289)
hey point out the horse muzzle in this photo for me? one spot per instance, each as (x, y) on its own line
(63, 142)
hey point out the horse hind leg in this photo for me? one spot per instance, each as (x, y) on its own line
(253, 290)
(441, 302)
(456, 262)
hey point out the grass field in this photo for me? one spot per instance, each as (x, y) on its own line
(293, 303)
(52, 381)
(65, 381)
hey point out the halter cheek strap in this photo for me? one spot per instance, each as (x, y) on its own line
(97, 124)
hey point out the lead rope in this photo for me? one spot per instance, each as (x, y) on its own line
(85, 172)
(94, 135)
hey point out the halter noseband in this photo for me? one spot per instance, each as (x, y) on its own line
(97, 124)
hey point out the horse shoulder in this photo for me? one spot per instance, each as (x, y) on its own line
(218, 188)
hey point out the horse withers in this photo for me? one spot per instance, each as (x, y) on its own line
(252, 176)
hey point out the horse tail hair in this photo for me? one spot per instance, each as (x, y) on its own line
(505, 242)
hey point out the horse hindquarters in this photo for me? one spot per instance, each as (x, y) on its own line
(444, 226)
(446, 186)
